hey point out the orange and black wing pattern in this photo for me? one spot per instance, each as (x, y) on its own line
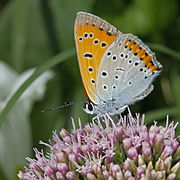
(92, 37)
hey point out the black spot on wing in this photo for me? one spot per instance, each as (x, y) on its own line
(88, 55)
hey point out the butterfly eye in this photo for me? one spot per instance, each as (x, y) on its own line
(90, 107)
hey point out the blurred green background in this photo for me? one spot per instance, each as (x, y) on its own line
(34, 31)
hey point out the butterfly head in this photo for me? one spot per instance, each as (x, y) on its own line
(89, 107)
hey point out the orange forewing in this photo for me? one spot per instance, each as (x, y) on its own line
(87, 45)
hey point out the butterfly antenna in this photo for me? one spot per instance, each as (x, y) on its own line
(60, 107)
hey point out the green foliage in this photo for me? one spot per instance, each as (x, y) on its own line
(39, 33)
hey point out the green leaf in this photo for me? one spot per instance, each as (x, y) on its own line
(19, 32)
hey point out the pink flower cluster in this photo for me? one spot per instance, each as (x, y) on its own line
(105, 149)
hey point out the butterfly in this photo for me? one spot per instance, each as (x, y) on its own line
(117, 69)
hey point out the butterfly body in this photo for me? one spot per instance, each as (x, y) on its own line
(117, 69)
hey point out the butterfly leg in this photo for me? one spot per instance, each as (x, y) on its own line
(109, 117)
(97, 117)
(129, 112)
(106, 117)
(123, 109)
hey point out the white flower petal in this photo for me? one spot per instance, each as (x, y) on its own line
(15, 132)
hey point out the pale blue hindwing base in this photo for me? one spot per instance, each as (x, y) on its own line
(120, 81)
